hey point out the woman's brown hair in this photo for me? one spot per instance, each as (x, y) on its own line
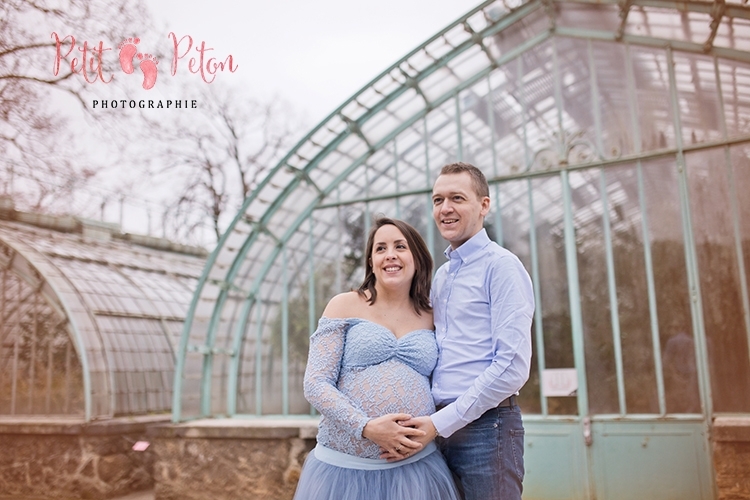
(419, 292)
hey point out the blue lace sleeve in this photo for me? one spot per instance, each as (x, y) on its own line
(322, 374)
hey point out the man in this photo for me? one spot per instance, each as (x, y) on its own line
(483, 304)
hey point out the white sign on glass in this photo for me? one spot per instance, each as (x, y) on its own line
(559, 382)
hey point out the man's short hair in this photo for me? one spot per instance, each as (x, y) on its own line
(477, 177)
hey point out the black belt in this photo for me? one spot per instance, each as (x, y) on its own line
(508, 402)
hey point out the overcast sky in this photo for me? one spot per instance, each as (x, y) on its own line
(314, 54)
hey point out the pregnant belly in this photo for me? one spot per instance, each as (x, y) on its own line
(389, 387)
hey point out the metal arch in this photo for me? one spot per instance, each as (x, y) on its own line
(359, 161)
(303, 215)
(283, 164)
(355, 126)
(44, 267)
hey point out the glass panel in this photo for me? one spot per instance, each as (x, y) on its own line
(299, 326)
(698, 98)
(632, 290)
(667, 24)
(553, 276)
(735, 90)
(733, 33)
(661, 187)
(588, 16)
(599, 347)
(223, 336)
(614, 99)
(579, 141)
(270, 371)
(726, 334)
(506, 101)
(651, 84)
(741, 175)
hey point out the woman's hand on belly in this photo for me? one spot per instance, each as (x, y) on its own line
(392, 437)
(423, 424)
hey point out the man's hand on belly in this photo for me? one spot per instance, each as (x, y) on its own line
(424, 433)
(396, 441)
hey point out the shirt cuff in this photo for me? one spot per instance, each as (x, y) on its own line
(447, 420)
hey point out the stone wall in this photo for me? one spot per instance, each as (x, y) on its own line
(230, 458)
(220, 459)
(731, 452)
(55, 459)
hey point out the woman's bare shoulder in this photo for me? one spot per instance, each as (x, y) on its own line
(344, 305)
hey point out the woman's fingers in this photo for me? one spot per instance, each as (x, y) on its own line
(393, 438)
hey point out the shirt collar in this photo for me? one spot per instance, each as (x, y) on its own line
(470, 247)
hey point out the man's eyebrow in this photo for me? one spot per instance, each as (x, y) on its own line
(451, 193)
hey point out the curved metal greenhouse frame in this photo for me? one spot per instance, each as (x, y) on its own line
(616, 139)
(89, 324)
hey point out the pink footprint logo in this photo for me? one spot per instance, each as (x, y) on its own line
(127, 51)
(148, 67)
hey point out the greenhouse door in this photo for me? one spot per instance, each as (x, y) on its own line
(624, 460)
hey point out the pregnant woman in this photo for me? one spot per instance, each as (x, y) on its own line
(368, 369)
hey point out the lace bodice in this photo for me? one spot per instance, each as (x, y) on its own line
(358, 370)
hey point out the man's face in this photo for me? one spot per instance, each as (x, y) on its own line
(457, 208)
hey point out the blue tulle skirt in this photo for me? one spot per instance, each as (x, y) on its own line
(425, 479)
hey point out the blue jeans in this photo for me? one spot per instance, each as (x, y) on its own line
(486, 456)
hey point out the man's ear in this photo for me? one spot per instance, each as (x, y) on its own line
(485, 206)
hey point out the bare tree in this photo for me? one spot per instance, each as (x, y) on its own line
(220, 156)
(54, 148)
(43, 162)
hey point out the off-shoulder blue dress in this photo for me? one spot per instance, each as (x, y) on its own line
(358, 370)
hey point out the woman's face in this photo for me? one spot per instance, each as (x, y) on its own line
(392, 260)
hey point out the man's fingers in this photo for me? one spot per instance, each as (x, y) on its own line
(395, 458)
(399, 416)
(410, 431)
(392, 456)
(411, 445)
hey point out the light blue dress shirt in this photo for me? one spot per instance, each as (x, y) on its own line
(483, 304)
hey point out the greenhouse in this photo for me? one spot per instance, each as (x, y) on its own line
(91, 317)
(616, 138)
